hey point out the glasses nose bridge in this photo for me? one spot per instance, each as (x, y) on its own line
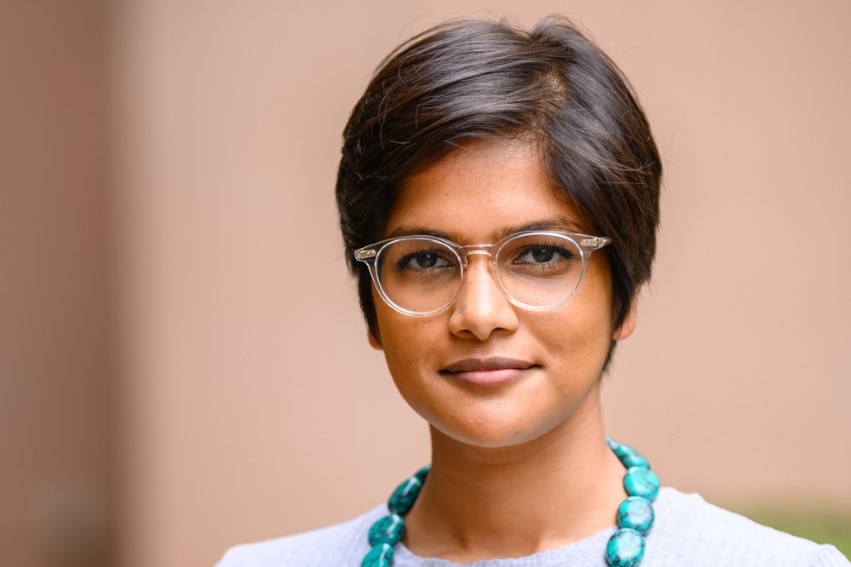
(477, 250)
(486, 250)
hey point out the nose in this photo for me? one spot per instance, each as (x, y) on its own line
(481, 308)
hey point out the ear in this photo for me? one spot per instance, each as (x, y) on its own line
(630, 320)
(374, 341)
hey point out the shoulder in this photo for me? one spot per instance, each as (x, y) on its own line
(690, 531)
(334, 546)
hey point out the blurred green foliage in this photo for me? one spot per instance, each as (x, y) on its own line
(821, 526)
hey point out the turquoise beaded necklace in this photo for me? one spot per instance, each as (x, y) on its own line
(624, 549)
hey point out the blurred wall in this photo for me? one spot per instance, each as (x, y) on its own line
(56, 437)
(257, 406)
(245, 400)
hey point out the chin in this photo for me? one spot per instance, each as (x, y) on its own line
(491, 436)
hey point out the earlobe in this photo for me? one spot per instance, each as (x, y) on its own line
(630, 320)
(374, 341)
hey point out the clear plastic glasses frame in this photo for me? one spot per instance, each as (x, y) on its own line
(535, 270)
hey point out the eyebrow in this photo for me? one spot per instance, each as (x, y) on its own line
(557, 223)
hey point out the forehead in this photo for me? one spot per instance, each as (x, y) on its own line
(480, 191)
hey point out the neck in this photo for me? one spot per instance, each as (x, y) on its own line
(510, 502)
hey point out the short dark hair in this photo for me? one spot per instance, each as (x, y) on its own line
(473, 80)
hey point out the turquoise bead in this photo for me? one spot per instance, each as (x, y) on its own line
(379, 556)
(629, 457)
(389, 529)
(423, 473)
(636, 513)
(625, 548)
(640, 481)
(634, 459)
(403, 498)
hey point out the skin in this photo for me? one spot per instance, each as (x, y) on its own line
(519, 460)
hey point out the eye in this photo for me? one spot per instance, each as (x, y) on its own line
(540, 255)
(423, 260)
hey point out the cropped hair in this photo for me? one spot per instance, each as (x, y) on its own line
(478, 80)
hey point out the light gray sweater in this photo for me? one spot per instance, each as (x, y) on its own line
(688, 532)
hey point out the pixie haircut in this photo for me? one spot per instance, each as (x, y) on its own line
(479, 80)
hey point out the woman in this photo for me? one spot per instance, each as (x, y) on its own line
(498, 196)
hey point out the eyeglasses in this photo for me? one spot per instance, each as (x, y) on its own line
(421, 275)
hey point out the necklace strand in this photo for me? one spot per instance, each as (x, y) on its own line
(625, 548)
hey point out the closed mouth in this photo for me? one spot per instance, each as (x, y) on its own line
(486, 365)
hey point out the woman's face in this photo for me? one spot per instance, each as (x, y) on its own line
(484, 372)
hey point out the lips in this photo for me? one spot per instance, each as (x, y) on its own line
(487, 372)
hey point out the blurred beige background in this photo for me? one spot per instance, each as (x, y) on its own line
(182, 362)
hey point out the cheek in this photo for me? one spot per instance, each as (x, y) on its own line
(573, 335)
(408, 352)
(579, 333)
(403, 338)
